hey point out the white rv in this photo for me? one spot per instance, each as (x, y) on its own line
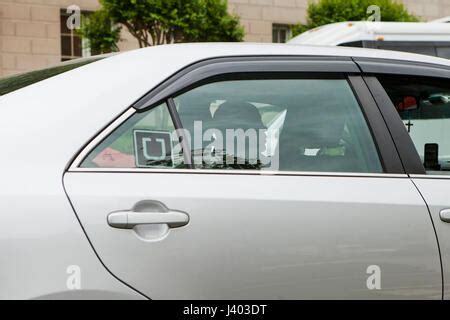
(431, 38)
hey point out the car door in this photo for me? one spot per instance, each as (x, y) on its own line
(419, 94)
(264, 178)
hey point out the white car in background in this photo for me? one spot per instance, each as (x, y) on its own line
(103, 194)
(430, 38)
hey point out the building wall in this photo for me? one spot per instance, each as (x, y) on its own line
(30, 35)
(257, 16)
(30, 29)
(428, 9)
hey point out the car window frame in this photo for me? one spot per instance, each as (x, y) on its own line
(247, 68)
(371, 69)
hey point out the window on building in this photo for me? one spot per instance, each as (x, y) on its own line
(72, 45)
(281, 33)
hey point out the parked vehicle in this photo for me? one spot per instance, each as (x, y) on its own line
(255, 171)
(442, 20)
(432, 38)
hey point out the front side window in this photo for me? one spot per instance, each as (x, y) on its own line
(264, 124)
(424, 106)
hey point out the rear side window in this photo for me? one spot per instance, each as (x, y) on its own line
(427, 50)
(16, 82)
(145, 140)
(313, 125)
(355, 44)
(443, 52)
(424, 106)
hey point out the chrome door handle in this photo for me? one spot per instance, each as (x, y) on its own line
(445, 215)
(130, 219)
(147, 212)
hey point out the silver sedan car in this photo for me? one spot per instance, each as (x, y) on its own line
(227, 171)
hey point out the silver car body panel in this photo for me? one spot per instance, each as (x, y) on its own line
(46, 125)
(264, 237)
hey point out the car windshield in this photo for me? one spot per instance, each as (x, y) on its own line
(16, 82)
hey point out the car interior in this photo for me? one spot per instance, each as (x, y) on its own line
(424, 106)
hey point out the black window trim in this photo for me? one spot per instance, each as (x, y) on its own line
(383, 140)
(220, 67)
(371, 66)
(402, 140)
(379, 44)
(247, 67)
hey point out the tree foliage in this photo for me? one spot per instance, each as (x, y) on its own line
(154, 22)
(102, 34)
(330, 11)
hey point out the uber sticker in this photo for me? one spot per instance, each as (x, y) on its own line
(153, 148)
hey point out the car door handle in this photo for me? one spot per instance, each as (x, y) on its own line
(445, 215)
(130, 219)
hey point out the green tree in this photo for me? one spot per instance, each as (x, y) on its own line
(330, 11)
(102, 34)
(154, 22)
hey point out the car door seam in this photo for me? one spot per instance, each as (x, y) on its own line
(435, 234)
(92, 246)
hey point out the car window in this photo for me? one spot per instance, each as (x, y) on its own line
(443, 52)
(355, 44)
(16, 82)
(424, 106)
(273, 124)
(427, 50)
(145, 140)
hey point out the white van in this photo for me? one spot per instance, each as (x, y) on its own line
(430, 38)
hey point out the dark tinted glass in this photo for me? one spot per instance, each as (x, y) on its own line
(424, 106)
(443, 52)
(12, 83)
(280, 124)
(427, 50)
(66, 45)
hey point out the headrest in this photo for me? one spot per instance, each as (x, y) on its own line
(237, 115)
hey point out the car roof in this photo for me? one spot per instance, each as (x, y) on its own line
(201, 51)
(344, 32)
(142, 69)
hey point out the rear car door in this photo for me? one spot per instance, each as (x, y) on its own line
(263, 178)
(420, 95)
